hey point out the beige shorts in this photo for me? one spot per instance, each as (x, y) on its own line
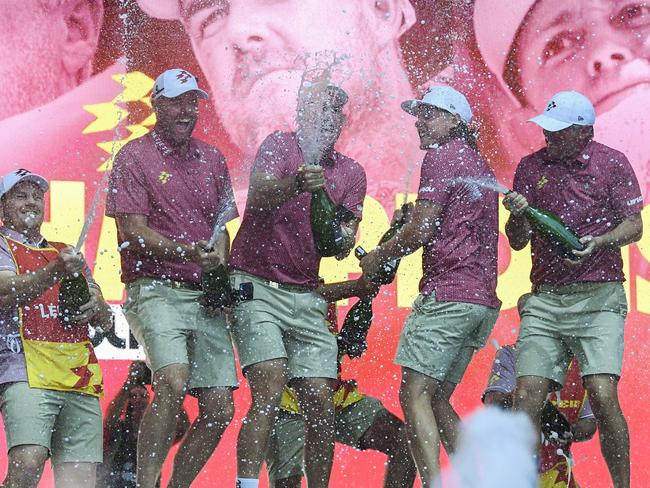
(68, 424)
(585, 320)
(173, 328)
(284, 457)
(279, 323)
(440, 338)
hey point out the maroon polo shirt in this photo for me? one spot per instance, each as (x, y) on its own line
(181, 197)
(592, 195)
(278, 244)
(459, 263)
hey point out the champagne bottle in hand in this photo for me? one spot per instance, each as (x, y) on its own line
(551, 227)
(73, 293)
(215, 284)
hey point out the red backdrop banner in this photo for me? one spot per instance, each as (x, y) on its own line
(76, 78)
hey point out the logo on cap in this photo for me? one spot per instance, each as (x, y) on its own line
(23, 172)
(183, 76)
(551, 105)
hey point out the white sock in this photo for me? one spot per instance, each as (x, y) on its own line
(247, 483)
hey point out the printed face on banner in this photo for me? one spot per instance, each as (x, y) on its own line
(600, 48)
(45, 49)
(253, 53)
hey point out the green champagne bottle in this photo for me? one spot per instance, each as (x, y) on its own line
(359, 318)
(216, 287)
(325, 226)
(352, 338)
(387, 274)
(73, 293)
(551, 227)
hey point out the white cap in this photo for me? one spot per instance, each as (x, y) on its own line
(445, 98)
(175, 82)
(495, 43)
(565, 109)
(10, 180)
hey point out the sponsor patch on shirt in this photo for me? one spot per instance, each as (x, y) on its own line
(634, 201)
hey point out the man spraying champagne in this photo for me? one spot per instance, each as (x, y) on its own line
(578, 305)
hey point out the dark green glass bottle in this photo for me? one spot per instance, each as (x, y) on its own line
(359, 318)
(551, 227)
(216, 287)
(325, 226)
(73, 293)
(387, 274)
(352, 338)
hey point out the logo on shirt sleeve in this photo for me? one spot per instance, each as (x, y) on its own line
(634, 201)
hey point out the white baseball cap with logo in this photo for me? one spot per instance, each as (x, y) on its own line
(10, 180)
(565, 109)
(443, 97)
(175, 82)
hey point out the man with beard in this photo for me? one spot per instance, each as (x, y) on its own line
(280, 333)
(578, 305)
(253, 54)
(50, 379)
(167, 191)
(597, 47)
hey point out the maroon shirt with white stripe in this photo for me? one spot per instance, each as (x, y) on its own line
(592, 195)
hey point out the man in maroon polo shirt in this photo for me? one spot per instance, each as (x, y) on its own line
(167, 190)
(578, 305)
(281, 334)
(456, 224)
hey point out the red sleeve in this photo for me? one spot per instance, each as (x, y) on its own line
(127, 192)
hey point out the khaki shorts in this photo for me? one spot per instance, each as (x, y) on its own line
(585, 320)
(278, 323)
(284, 457)
(68, 424)
(173, 328)
(440, 338)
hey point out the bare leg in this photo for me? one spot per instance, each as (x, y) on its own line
(216, 410)
(446, 417)
(612, 427)
(316, 402)
(416, 395)
(75, 475)
(25, 466)
(158, 424)
(266, 380)
(529, 397)
(387, 434)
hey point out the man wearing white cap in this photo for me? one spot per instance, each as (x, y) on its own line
(598, 47)
(50, 379)
(253, 55)
(578, 305)
(456, 224)
(167, 191)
